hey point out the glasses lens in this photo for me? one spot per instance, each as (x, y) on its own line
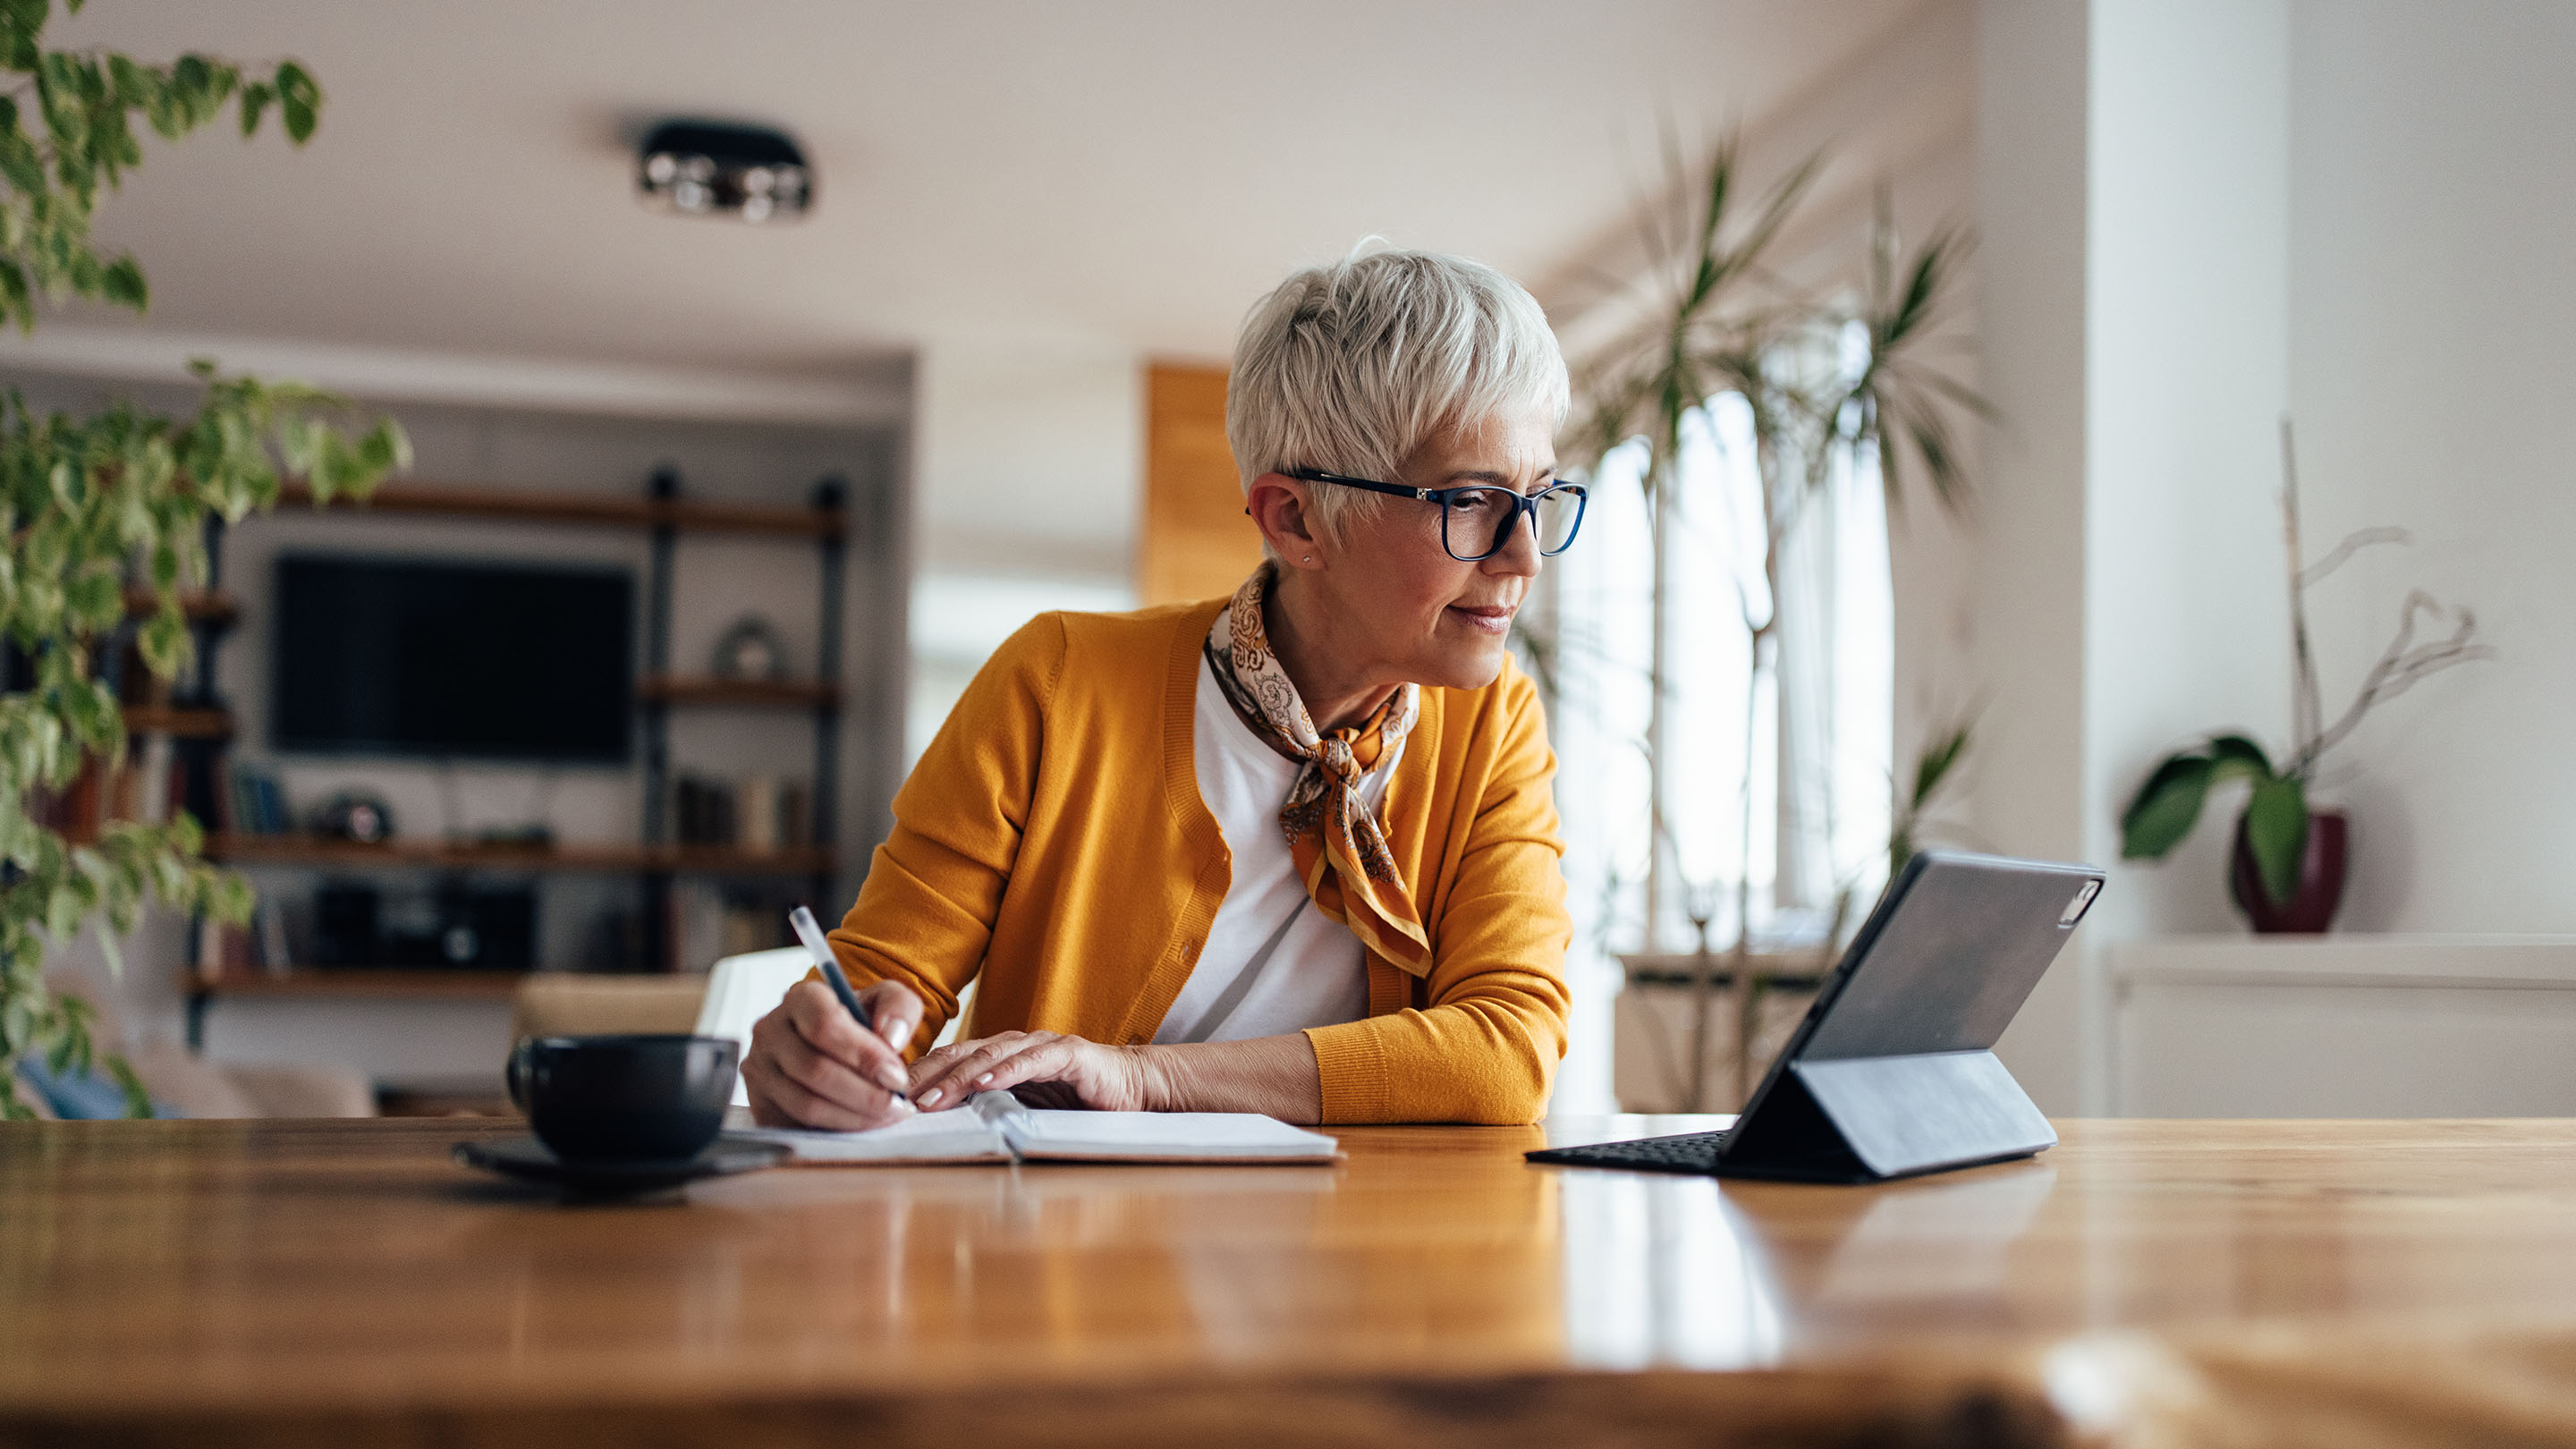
(1473, 523)
(1560, 513)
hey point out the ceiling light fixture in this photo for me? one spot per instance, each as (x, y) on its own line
(710, 168)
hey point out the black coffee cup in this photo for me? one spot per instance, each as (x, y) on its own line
(623, 1098)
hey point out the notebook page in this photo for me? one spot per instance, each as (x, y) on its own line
(1049, 1136)
(957, 1136)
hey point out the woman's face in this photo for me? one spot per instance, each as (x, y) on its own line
(1399, 600)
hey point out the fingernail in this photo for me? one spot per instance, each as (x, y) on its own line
(979, 1081)
(930, 1098)
(892, 1079)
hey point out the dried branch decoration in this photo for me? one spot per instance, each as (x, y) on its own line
(2400, 666)
(2276, 814)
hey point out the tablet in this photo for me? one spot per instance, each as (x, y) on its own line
(1892, 1073)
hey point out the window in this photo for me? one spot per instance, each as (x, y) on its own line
(1818, 726)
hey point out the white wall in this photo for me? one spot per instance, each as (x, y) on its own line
(2026, 619)
(2432, 300)
(2185, 624)
(2359, 212)
(2135, 211)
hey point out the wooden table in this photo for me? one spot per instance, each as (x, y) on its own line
(344, 1282)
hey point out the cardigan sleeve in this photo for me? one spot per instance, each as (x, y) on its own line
(925, 914)
(1486, 1046)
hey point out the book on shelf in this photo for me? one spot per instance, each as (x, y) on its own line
(710, 920)
(223, 950)
(75, 810)
(149, 783)
(269, 919)
(758, 813)
(259, 805)
(155, 783)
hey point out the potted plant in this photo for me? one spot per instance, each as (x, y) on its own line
(102, 518)
(2287, 870)
(1729, 324)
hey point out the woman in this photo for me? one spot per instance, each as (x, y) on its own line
(1291, 852)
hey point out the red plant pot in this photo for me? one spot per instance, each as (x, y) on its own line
(2311, 908)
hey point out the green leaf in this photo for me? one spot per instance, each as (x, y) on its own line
(2276, 830)
(165, 644)
(299, 101)
(138, 1102)
(22, 22)
(123, 284)
(254, 99)
(14, 298)
(2236, 757)
(1935, 763)
(97, 595)
(136, 85)
(2166, 807)
(194, 80)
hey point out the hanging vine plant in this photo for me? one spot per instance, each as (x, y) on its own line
(102, 518)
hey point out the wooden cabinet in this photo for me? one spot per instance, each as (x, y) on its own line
(1196, 542)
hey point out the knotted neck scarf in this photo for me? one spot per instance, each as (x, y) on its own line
(1338, 846)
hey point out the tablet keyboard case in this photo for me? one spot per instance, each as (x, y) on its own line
(1897, 1077)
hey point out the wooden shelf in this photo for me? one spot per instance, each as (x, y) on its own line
(198, 605)
(437, 855)
(186, 724)
(761, 693)
(366, 981)
(602, 510)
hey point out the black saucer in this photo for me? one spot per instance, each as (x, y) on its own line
(529, 1160)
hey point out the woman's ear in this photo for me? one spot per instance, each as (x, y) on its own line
(1283, 510)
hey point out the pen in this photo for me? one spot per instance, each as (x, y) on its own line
(811, 934)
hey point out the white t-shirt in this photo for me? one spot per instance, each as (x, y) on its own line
(1273, 964)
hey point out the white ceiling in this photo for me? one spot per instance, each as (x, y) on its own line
(1121, 173)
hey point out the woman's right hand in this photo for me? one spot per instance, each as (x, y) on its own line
(812, 1065)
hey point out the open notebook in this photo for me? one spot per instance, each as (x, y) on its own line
(998, 1127)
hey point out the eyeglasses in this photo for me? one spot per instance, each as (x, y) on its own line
(1476, 519)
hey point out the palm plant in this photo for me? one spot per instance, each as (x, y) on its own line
(1728, 324)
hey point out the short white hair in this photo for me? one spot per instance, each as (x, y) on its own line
(1350, 367)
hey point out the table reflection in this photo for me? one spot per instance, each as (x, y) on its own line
(1661, 1270)
(1667, 1270)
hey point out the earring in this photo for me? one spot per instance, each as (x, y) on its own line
(1310, 558)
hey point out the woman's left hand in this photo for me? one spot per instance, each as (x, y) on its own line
(1046, 1068)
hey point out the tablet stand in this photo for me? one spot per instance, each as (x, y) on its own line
(1866, 1119)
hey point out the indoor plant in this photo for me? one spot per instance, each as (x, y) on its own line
(103, 517)
(1727, 324)
(2286, 872)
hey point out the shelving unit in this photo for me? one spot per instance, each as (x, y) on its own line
(745, 693)
(359, 982)
(468, 855)
(199, 719)
(658, 510)
(179, 723)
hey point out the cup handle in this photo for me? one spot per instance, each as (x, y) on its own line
(520, 1068)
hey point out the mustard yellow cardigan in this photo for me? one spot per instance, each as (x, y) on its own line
(1052, 837)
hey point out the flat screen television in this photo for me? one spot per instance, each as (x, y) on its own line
(389, 656)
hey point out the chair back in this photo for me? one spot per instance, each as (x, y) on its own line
(743, 989)
(577, 1003)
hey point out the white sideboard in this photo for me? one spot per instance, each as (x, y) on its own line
(2344, 1026)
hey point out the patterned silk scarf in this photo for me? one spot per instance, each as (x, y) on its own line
(1339, 848)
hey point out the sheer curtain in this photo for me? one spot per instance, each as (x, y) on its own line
(1819, 732)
